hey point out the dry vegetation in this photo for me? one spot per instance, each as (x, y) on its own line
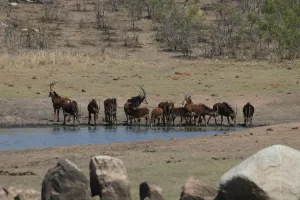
(102, 48)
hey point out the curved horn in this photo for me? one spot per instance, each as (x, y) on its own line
(98, 106)
(144, 93)
(52, 85)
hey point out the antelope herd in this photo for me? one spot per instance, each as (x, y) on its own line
(165, 112)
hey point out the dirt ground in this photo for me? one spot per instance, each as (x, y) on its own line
(167, 163)
(87, 66)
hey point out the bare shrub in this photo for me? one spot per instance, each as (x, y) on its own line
(132, 41)
(37, 38)
(81, 24)
(69, 44)
(100, 9)
(54, 12)
(135, 11)
(11, 36)
(178, 28)
(81, 5)
(88, 42)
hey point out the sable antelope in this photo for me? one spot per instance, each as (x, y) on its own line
(93, 108)
(179, 112)
(137, 100)
(166, 106)
(110, 110)
(224, 109)
(200, 110)
(248, 111)
(128, 109)
(57, 101)
(157, 113)
(186, 101)
(71, 109)
(138, 114)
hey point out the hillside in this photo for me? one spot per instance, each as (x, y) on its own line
(67, 45)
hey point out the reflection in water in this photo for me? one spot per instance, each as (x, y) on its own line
(92, 128)
(111, 128)
(27, 138)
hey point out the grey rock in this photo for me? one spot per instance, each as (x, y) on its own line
(108, 178)
(64, 182)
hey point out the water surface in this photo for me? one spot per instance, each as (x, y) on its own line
(29, 138)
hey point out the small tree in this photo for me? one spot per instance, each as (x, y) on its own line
(135, 11)
(179, 28)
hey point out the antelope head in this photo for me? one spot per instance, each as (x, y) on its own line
(187, 99)
(51, 92)
(184, 99)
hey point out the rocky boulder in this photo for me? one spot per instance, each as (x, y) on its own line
(272, 173)
(150, 191)
(108, 178)
(196, 189)
(18, 193)
(64, 182)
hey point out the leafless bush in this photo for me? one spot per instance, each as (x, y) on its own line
(132, 41)
(81, 5)
(234, 34)
(81, 24)
(37, 38)
(135, 11)
(100, 9)
(177, 30)
(69, 44)
(54, 12)
(11, 36)
(87, 41)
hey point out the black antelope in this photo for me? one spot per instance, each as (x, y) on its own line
(71, 109)
(224, 109)
(248, 111)
(93, 108)
(110, 110)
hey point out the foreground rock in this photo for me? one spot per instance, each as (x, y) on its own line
(150, 191)
(64, 182)
(272, 173)
(21, 193)
(195, 189)
(108, 178)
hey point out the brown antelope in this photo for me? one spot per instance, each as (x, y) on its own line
(166, 106)
(93, 108)
(138, 114)
(186, 101)
(224, 109)
(110, 110)
(200, 110)
(157, 113)
(179, 112)
(71, 109)
(57, 101)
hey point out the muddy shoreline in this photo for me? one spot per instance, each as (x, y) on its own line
(202, 127)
